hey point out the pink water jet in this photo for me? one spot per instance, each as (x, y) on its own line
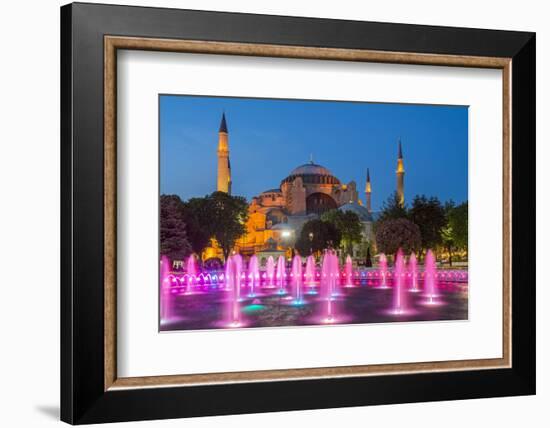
(166, 290)
(238, 273)
(297, 279)
(281, 274)
(348, 270)
(233, 268)
(413, 272)
(430, 278)
(399, 302)
(253, 274)
(228, 278)
(383, 270)
(329, 280)
(310, 272)
(270, 271)
(191, 270)
(335, 267)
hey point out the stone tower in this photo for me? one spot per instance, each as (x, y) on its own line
(224, 165)
(400, 172)
(368, 192)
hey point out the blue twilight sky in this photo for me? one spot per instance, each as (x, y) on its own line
(268, 138)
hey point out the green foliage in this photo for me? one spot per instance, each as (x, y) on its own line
(429, 215)
(393, 234)
(392, 209)
(348, 224)
(173, 237)
(323, 235)
(458, 222)
(196, 230)
(221, 216)
(455, 233)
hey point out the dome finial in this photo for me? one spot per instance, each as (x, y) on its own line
(311, 158)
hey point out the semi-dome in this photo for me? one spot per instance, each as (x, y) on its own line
(361, 211)
(271, 191)
(312, 173)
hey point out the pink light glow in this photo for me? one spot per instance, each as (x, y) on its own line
(253, 274)
(166, 295)
(430, 281)
(349, 272)
(270, 270)
(399, 297)
(329, 306)
(413, 272)
(297, 278)
(233, 268)
(310, 271)
(281, 274)
(329, 282)
(191, 270)
(383, 270)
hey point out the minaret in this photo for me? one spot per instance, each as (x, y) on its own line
(368, 192)
(224, 166)
(400, 172)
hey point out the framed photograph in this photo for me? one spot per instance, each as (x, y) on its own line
(266, 213)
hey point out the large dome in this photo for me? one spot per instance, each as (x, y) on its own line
(310, 168)
(312, 173)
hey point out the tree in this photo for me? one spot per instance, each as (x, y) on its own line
(348, 224)
(316, 235)
(393, 234)
(455, 233)
(458, 221)
(368, 262)
(197, 229)
(447, 238)
(173, 237)
(447, 241)
(222, 217)
(429, 216)
(392, 208)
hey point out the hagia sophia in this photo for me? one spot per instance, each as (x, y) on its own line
(277, 215)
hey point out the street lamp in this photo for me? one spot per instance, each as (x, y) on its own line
(311, 242)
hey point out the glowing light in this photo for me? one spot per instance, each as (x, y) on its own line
(240, 283)
(399, 298)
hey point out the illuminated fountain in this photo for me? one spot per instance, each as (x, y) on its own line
(253, 274)
(329, 279)
(228, 273)
(237, 262)
(413, 272)
(281, 274)
(310, 274)
(297, 279)
(335, 267)
(399, 302)
(348, 270)
(383, 270)
(192, 271)
(270, 271)
(430, 278)
(233, 267)
(298, 285)
(166, 290)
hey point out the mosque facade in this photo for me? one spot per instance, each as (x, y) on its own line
(277, 215)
